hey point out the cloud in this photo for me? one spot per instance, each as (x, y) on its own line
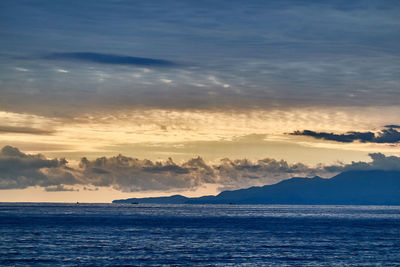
(23, 130)
(166, 81)
(379, 162)
(90, 189)
(241, 173)
(21, 69)
(62, 71)
(19, 170)
(215, 81)
(109, 59)
(59, 188)
(245, 67)
(393, 126)
(384, 136)
(131, 175)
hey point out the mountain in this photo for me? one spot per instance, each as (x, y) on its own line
(375, 187)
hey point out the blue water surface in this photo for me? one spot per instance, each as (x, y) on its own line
(198, 235)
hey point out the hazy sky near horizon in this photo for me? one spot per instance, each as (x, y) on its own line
(303, 81)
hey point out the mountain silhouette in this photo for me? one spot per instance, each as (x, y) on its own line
(374, 187)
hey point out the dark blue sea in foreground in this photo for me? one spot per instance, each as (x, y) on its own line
(203, 235)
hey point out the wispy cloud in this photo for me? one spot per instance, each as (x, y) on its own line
(21, 69)
(59, 188)
(62, 71)
(23, 130)
(114, 59)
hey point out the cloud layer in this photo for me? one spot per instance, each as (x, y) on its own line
(390, 135)
(23, 130)
(19, 170)
(332, 53)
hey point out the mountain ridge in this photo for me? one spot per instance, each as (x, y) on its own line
(372, 187)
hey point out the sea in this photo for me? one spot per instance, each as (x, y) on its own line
(50, 234)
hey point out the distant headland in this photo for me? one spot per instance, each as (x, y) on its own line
(374, 187)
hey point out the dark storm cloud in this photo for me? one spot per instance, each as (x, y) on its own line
(110, 59)
(384, 136)
(23, 130)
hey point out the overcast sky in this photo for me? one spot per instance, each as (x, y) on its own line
(304, 81)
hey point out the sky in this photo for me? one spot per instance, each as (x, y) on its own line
(101, 100)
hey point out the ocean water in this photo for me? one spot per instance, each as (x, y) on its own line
(198, 235)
